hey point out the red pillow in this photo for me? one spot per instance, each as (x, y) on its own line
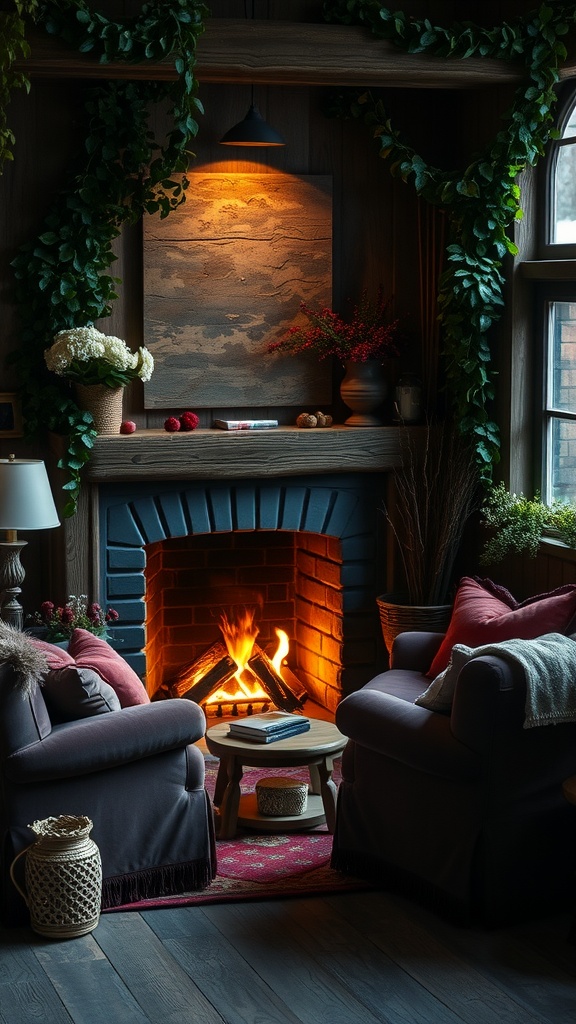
(485, 613)
(57, 657)
(89, 651)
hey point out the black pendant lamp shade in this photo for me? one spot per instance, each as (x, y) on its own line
(252, 131)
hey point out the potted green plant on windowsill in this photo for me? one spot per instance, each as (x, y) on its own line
(518, 524)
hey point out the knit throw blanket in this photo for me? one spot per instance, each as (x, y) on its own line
(549, 664)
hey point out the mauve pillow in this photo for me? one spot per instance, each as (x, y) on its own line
(74, 692)
(485, 613)
(57, 657)
(93, 652)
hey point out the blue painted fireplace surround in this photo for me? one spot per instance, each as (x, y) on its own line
(345, 506)
(152, 486)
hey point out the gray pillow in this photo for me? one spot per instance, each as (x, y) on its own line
(74, 692)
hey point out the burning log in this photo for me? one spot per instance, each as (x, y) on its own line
(280, 693)
(197, 679)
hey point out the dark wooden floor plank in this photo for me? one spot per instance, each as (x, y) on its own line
(225, 977)
(88, 983)
(158, 983)
(363, 956)
(541, 979)
(383, 987)
(553, 938)
(26, 994)
(397, 927)
(262, 935)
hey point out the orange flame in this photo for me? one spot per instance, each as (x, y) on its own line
(281, 650)
(239, 636)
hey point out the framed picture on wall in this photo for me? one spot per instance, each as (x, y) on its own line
(10, 415)
(226, 278)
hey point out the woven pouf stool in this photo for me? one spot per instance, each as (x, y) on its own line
(277, 797)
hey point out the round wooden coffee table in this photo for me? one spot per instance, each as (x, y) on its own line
(315, 749)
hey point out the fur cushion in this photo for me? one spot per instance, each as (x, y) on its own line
(27, 661)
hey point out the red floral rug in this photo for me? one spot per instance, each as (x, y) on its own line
(256, 866)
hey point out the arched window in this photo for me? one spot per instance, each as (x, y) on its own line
(562, 227)
(557, 313)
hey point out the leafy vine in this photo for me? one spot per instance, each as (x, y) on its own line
(483, 200)
(12, 46)
(62, 275)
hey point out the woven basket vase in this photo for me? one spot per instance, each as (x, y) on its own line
(63, 877)
(398, 618)
(104, 403)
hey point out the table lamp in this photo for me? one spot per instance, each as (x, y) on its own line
(26, 503)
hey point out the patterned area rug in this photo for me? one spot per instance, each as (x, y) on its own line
(256, 866)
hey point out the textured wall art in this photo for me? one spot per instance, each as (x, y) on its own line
(224, 275)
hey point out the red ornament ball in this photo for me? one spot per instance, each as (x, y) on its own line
(127, 427)
(189, 421)
(172, 424)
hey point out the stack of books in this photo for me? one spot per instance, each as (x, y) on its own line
(269, 726)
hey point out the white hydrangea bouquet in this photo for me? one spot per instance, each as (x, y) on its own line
(86, 356)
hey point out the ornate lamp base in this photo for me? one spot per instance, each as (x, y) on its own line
(11, 576)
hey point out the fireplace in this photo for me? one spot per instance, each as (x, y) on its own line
(292, 515)
(308, 551)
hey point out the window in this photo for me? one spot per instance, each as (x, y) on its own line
(556, 300)
(559, 476)
(563, 220)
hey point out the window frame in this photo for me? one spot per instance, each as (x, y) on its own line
(546, 412)
(547, 249)
(553, 277)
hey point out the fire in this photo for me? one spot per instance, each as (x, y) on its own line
(239, 634)
(281, 650)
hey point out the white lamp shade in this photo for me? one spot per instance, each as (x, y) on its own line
(26, 501)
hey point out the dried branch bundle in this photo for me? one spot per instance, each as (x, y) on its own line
(436, 492)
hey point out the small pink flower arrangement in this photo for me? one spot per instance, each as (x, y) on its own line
(77, 613)
(368, 334)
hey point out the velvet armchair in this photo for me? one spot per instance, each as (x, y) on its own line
(461, 808)
(134, 771)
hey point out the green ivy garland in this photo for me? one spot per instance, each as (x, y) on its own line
(12, 46)
(127, 172)
(62, 276)
(481, 201)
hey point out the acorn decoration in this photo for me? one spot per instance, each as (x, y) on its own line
(323, 419)
(313, 419)
(306, 419)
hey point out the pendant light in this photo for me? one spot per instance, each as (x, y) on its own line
(253, 130)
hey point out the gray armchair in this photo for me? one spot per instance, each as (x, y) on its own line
(464, 809)
(135, 772)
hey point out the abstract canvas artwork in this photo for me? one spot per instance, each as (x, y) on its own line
(224, 275)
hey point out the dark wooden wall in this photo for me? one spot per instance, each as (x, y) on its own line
(376, 217)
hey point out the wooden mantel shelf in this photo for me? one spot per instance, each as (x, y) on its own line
(287, 53)
(210, 454)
